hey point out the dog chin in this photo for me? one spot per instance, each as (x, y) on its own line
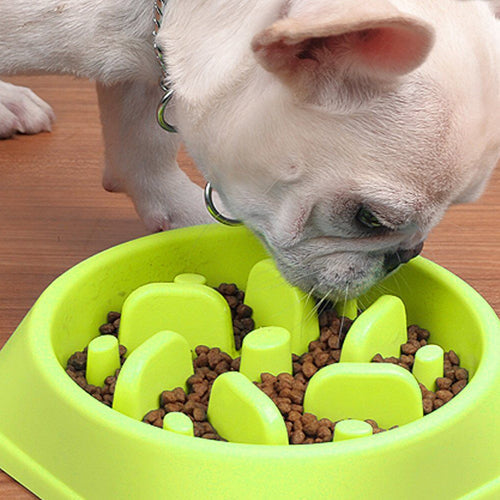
(336, 277)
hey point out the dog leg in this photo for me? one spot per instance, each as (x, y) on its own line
(141, 158)
(106, 41)
(21, 110)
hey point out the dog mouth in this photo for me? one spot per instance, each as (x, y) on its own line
(336, 273)
(338, 276)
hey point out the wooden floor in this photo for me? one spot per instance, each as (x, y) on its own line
(54, 213)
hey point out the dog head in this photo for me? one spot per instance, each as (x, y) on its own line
(349, 129)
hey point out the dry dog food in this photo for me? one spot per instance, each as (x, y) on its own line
(287, 391)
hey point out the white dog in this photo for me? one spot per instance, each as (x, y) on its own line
(339, 131)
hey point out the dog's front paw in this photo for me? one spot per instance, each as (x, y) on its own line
(22, 111)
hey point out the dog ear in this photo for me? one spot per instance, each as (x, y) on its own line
(370, 39)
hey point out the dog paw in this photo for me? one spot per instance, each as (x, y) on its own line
(22, 111)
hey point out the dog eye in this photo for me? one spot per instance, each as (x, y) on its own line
(366, 217)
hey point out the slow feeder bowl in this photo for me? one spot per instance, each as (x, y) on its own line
(61, 443)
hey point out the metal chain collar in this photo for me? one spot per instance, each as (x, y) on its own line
(167, 97)
(169, 93)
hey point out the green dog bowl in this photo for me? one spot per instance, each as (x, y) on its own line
(61, 443)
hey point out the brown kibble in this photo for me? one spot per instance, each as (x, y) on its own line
(112, 316)
(153, 415)
(297, 396)
(454, 359)
(308, 417)
(372, 423)
(438, 403)
(285, 379)
(268, 390)
(423, 334)
(428, 406)
(122, 350)
(444, 395)
(443, 383)
(267, 378)
(286, 392)
(430, 395)
(334, 342)
(244, 311)
(199, 414)
(409, 348)
(311, 427)
(298, 408)
(201, 349)
(228, 289)
(222, 367)
(200, 389)
(284, 408)
(335, 355)
(325, 434)
(321, 358)
(323, 319)
(458, 386)
(308, 369)
(294, 416)
(461, 374)
(306, 358)
(116, 324)
(107, 329)
(167, 397)
(248, 324)
(231, 301)
(170, 407)
(297, 437)
(325, 334)
(180, 394)
(194, 379)
(392, 360)
(78, 361)
(193, 397)
(211, 435)
(213, 357)
(315, 345)
(408, 359)
(411, 333)
(201, 360)
(324, 422)
(378, 358)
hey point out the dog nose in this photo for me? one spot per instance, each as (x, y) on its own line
(393, 260)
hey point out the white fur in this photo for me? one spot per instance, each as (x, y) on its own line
(298, 111)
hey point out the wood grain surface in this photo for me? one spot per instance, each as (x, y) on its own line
(54, 213)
